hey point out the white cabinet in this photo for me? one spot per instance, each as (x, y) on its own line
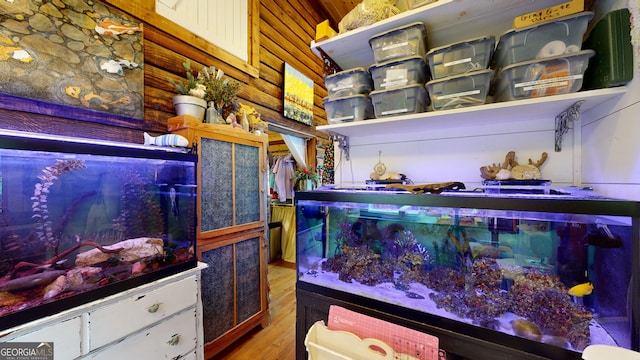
(158, 320)
(450, 21)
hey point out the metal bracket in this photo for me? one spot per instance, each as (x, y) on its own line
(571, 114)
(343, 143)
(328, 65)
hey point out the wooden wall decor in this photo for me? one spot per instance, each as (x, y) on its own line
(298, 96)
(81, 54)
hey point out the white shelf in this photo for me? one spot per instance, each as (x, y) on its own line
(415, 125)
(447, 22)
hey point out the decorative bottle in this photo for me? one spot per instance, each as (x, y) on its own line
(212, 114)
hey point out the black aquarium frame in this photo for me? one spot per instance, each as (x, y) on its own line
(17, 140)
(456, 338)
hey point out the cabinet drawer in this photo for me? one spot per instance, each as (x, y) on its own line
(65, 336)
(136, 312)
(156, 342)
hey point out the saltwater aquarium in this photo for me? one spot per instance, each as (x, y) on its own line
(547, 274)
(82, 219)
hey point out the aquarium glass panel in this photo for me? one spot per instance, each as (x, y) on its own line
(559, 278)
(79, 225)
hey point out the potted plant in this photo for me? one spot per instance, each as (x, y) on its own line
(221, 92)
(305, 179)
(190, 99)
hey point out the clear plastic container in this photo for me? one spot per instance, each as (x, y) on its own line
(543, 77)
(412, 4)
(409, 99)
(348, 83)
(400, 42)
(548, 39)
(348, 108)
(398, 73)
(461, 90)
(461, 57)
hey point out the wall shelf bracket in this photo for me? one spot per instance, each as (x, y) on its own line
(571, 114)
(343, 143)
(329, 66)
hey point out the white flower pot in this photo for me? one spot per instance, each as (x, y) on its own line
(190, 105)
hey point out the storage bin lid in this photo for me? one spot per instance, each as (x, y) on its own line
(490, 38)
(346, 72)
(470, 73)
(326, 99)
(587, 53)
(407, 87)
(397, 61)
(418, 25)
(588, 14)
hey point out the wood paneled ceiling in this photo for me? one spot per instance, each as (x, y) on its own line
(336, 9)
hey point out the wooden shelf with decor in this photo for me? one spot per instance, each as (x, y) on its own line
(231, 228)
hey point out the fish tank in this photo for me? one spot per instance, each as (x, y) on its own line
(547, 273)
(83, 219)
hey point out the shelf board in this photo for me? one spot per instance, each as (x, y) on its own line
(446, 21)
(414, 125)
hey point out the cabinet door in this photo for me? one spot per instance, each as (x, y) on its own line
(230, 184)
(231, 286)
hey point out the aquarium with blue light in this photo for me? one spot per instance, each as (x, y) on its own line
(82, 219)
(540, 274)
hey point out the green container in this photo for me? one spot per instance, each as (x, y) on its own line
(612, 64)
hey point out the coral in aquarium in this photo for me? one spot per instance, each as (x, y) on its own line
(475, 295)
(544, 300)
(361, 264)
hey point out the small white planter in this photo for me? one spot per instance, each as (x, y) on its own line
(190, 105)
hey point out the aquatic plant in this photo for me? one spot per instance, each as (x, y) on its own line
(464, 256)
(140, 214)
(40, 208)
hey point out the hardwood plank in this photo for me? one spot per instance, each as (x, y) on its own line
(276, 341)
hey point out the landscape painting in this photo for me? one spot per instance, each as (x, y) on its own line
(298, 96)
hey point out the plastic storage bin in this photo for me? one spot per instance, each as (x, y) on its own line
(461, 57)
(400, 101)
(460, 90)
(549, 39)
(398, 73)
(349, 82)
(400, 42)
(348, 108)
(612, 64)
(544, 77)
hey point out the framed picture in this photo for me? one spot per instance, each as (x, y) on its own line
(79, 59)
(298, 96)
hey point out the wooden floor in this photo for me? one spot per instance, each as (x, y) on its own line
(276, 341)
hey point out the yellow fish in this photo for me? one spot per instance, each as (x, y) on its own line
(581, 289)
(526, 329)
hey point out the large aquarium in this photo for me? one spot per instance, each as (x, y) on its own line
(548, 273)
(83, 219)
